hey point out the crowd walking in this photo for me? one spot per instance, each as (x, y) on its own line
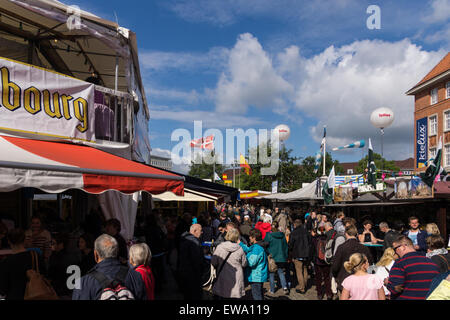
(236, 253)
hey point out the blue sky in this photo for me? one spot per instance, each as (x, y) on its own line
(260, 63)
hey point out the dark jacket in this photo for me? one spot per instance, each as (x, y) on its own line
(343, 253)
(442, 261)
(421, 241)
(13, 277)
(57, 270)
(90, 288)
(299, 243)
(191, 261)
(277, 246)
(389, 238)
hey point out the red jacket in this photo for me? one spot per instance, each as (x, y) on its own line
(149, 281)
(264, 227)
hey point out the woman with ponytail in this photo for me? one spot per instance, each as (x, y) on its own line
(360, 285)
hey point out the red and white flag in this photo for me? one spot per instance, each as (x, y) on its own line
(203, 143)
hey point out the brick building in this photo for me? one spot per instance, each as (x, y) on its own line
(432, 115)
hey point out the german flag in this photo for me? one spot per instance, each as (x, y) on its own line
(244, 164)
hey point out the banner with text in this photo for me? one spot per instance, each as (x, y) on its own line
(421, 142)
(39, 101)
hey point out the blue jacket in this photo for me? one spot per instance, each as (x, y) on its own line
(421, 240)
(91, 289)
(257, 270)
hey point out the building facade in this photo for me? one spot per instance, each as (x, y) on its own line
(432, 115)
(161, 162)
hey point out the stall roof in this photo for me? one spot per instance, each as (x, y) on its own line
(93, 45)
(55, 167)
(189, 196)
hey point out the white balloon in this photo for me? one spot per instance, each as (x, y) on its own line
(382, 118)
(283, 132)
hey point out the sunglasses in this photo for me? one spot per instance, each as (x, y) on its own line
(395, 248)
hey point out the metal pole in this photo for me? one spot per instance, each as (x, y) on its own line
(382, 162)
(281, 167)
(324, 154)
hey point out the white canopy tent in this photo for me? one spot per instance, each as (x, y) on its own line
(189, 195)
(306, 193)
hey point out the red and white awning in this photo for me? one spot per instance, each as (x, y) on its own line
(55, 167)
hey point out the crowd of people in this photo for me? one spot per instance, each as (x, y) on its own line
(346, 259)
(231, 247)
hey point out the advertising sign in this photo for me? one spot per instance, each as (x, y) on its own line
(38, 101)
(413, 188)
(421, 142)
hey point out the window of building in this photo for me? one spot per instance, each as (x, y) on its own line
(447, 155)
(433, 125)
(432, 153)
(434, 96)
(447, 90)
(447, 120)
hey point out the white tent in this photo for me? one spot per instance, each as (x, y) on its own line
(306, 193)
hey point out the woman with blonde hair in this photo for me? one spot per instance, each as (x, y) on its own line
(384, 267)
(432, 229)
(140, 257)
(360, 285)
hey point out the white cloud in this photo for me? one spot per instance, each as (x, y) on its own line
(440, 12)
(210, 61)
(250, 79)
(210, 119)
(342, 86)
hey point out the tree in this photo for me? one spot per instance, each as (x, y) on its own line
(200, 169)
(379, 163)
(287, 174)
(308, 164)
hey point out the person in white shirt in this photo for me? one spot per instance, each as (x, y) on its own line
(383, 267)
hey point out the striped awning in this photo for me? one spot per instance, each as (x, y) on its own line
(55, 167)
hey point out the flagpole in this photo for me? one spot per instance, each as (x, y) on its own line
(234, 165)
(324, 153)
(214, 164)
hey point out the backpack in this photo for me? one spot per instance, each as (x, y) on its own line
(329, 248)
(114, 289)
(321, 245)
(213, 274)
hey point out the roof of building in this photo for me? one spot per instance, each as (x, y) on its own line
(442, 67)
(402, 164)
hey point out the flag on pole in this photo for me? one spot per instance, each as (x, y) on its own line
(203, 143)
(435, 168)
(244, 164)
(356, 144)
(322, 145)
(327, 191)
(372, 170)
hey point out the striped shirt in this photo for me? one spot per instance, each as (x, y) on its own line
(415, 273)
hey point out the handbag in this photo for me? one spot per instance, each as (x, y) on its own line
(272, 264)
(213, 274)
(38, 287)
